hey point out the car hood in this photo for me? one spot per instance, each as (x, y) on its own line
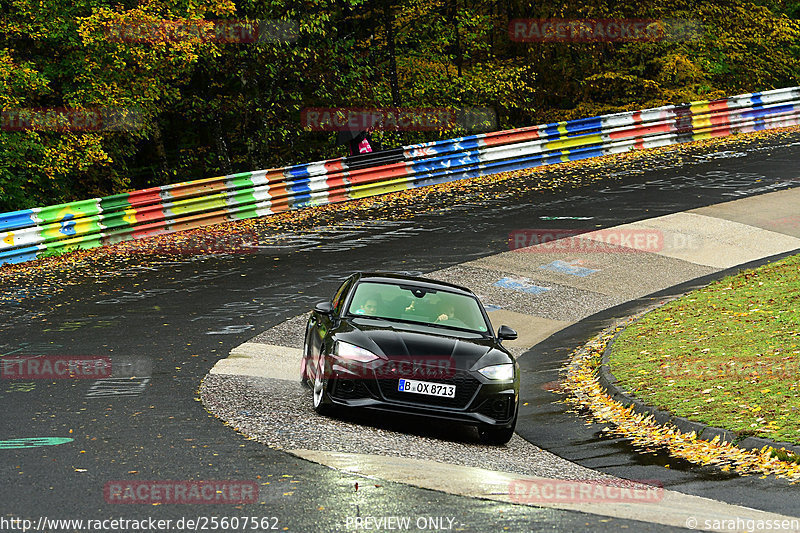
(394, 340)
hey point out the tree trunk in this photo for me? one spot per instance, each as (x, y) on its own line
(222, 147)
(161, 153)
(454, 18)
(388, 21)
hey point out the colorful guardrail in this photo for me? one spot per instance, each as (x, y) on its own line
(31, 233)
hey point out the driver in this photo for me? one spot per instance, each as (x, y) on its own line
(368, 307)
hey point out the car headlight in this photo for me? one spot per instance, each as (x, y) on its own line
(504, 372)
(345, 350)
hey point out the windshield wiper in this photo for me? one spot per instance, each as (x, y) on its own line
(416, 322)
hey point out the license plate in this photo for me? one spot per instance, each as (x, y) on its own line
(426, 387)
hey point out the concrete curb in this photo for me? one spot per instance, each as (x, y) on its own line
(663, 417)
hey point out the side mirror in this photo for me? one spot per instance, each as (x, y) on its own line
(324, 308)
(506, 333)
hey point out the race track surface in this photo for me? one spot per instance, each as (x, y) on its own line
(177, 318)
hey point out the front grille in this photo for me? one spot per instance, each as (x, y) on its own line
(466, 387)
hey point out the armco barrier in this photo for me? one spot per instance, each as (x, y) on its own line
(30, 233)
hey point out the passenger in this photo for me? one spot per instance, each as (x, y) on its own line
(448, 313)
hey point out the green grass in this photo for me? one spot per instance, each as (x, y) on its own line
(726, 355)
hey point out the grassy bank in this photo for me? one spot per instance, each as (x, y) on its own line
(726, 355)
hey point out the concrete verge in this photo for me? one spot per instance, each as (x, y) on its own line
(261, 360)
(662, 507)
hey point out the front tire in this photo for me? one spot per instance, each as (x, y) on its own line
(497, 436)
(318, 389)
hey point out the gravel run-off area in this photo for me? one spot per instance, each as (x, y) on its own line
(278, 413)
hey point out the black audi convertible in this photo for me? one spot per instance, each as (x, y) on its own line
(412, 345)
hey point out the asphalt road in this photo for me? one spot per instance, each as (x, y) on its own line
(178, 318)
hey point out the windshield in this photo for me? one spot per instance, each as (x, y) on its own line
(415, 304)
